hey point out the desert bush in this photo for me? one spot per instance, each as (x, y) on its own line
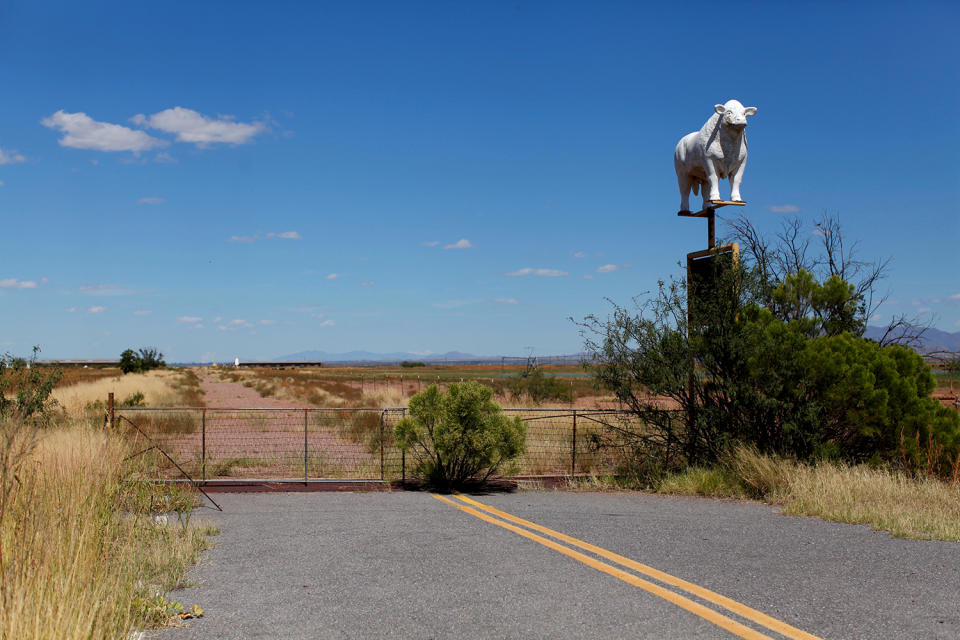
(771, 356)
(25, 388)
(408, 364)
(535, 386)
(459, 436)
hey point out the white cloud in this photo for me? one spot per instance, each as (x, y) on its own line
(201, 130)
(367, 283)
(955, 296)
(589, 277)
(431, 243)
(151, 201)
(924, 310)
(142, 313)
(506, 300)
(528, 271)
(580, 254)
(105, 290)
(164, 158)
(96, 309)
(217, 319)
(333, 276)
(11, 157)
(285, 235)
(462, 243)
(784, 208)
(266, 323)
(246, 239)
(83, 132)
(189, 319)
(1, 183)
(73, 309)
(13, 283)
(327, 323)
(607, 268)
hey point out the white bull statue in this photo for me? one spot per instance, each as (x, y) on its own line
(718, 150)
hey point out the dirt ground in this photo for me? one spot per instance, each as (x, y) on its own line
(223, 394)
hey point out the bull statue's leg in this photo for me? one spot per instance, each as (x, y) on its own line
(713, 182)
(735, 178)
(685, 183)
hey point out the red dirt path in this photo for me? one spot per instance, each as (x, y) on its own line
(223, 394)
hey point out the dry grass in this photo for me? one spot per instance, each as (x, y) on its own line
(160, 388)
(390, 386)
(81, 556)
(925, 507)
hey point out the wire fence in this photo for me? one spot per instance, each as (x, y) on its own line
(355, 444)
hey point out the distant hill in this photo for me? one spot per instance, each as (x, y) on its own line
(451, 357)
(933, 339)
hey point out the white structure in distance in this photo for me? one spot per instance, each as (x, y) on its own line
(236, 362)
(718, 150)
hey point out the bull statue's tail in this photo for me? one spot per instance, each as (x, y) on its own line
(696, 187)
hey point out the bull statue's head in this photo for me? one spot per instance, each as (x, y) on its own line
(734, 114)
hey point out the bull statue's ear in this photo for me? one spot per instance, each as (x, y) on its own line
(719, 108)
(749, 111)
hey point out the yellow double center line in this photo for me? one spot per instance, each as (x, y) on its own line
(466, 505)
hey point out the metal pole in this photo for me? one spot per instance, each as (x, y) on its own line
(573, 450)
(304, 446)
(381, 445)
(403, 455)
(203, 446)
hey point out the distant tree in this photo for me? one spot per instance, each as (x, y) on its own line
(148, 358)
(459, 436)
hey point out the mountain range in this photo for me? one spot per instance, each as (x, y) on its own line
(933, 340)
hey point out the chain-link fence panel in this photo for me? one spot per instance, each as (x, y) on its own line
(314, 444)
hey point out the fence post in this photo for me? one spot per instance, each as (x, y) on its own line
(305, 446)
(403, 454)
(381, 444)
(573, 450)
(110, 409)
(203, 446)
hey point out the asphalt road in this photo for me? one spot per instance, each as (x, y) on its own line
(407, 565)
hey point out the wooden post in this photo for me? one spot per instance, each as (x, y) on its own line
(110, 409)
(305, 446)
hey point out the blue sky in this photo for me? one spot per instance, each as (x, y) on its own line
(250, 179)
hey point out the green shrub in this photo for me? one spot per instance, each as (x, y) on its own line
(459, 436)
(407, 364)
(25, 388)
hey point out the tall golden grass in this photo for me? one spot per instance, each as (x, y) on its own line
(80, 554)
(913, 507)
(160, 387)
